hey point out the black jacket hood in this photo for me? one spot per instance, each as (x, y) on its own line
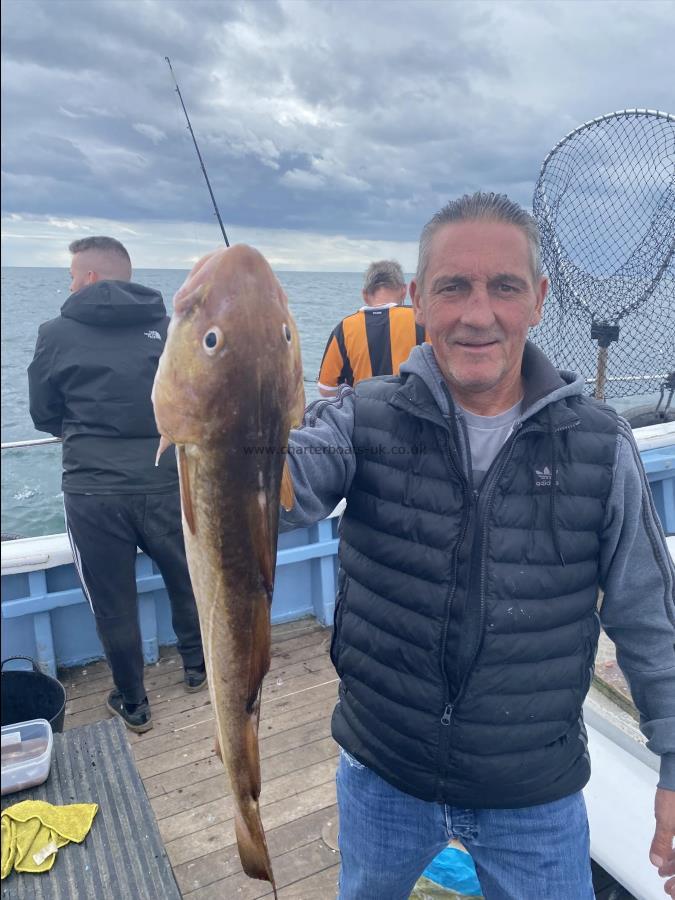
(114, 303)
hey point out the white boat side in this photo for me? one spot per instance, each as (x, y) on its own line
(620, 797)
(624, 773)
(653, 437)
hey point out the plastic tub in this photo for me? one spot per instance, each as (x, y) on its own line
(26, 754)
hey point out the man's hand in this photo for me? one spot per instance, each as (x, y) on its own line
(661, 853)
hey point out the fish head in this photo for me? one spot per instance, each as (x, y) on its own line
(232, 352)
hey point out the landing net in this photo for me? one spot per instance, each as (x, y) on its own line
(605, 204)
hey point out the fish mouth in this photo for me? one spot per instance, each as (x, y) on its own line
(178, 430)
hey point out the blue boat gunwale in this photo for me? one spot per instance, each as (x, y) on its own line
(46, 616)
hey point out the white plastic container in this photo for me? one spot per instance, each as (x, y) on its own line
(26, 754)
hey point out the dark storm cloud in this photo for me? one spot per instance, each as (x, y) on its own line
(358, 118)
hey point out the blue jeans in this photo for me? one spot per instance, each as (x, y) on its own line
(387, 839)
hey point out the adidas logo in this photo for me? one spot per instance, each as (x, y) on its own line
(542, 477)
(155, 335)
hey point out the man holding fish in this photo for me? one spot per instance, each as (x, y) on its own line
(488, 499)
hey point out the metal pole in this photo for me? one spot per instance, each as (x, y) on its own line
(601, 374)
(201, 161)
(31, 442)
(605, 333)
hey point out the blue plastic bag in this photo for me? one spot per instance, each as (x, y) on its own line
(453, 868)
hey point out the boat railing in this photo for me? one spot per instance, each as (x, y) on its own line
(630, 378)
(31, 442)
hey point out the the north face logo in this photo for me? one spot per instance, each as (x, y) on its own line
(542, 477)
(155, 335)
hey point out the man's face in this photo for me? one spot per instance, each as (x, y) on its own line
(478, 300)
(81, 271)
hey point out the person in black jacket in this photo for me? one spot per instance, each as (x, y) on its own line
(89, 384)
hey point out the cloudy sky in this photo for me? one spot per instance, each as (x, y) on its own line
(331, 129)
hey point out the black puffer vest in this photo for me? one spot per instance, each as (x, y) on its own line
(466, 624)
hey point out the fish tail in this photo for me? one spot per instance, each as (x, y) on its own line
(253, 852)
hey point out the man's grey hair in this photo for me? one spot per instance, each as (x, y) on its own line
(102, 244)
(469, 208)
(383, 273)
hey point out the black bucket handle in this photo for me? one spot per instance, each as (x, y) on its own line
(29, 658)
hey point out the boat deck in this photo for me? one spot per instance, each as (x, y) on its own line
(189, 791)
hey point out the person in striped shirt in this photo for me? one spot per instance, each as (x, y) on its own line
(377, 338)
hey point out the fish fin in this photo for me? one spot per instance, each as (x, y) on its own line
(261, 639)
(164, 443)
(298, 413)
(287, 489)
(267, 564)
(185, 495)
(265, 545)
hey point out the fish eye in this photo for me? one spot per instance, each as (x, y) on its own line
(287, 332)
(213, 340)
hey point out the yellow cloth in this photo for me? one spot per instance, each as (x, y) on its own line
(33, 827)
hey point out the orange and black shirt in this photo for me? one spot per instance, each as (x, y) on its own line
(373, 341)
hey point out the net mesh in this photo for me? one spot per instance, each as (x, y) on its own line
(605, 205)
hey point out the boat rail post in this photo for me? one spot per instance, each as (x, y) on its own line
(147, 613)
(45, 654)
(323, 597)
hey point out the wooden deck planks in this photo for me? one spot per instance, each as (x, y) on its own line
(209, 765)
(221, 858)
(189, 790)
(195, 741)
(221, 808)
(281, 812)
(290, 870)
(180, 708)
(95, 677)
(215, 787)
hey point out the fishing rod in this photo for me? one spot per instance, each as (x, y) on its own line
(201, 161)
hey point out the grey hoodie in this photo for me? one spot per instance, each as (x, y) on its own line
(637, 574)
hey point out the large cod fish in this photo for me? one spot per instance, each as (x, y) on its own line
(228, 388)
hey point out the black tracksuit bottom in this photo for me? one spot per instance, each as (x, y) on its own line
(105, 531)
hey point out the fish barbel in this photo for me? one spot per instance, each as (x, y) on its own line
(228, 389)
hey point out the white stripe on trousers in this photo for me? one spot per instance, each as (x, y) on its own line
(77, 559)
